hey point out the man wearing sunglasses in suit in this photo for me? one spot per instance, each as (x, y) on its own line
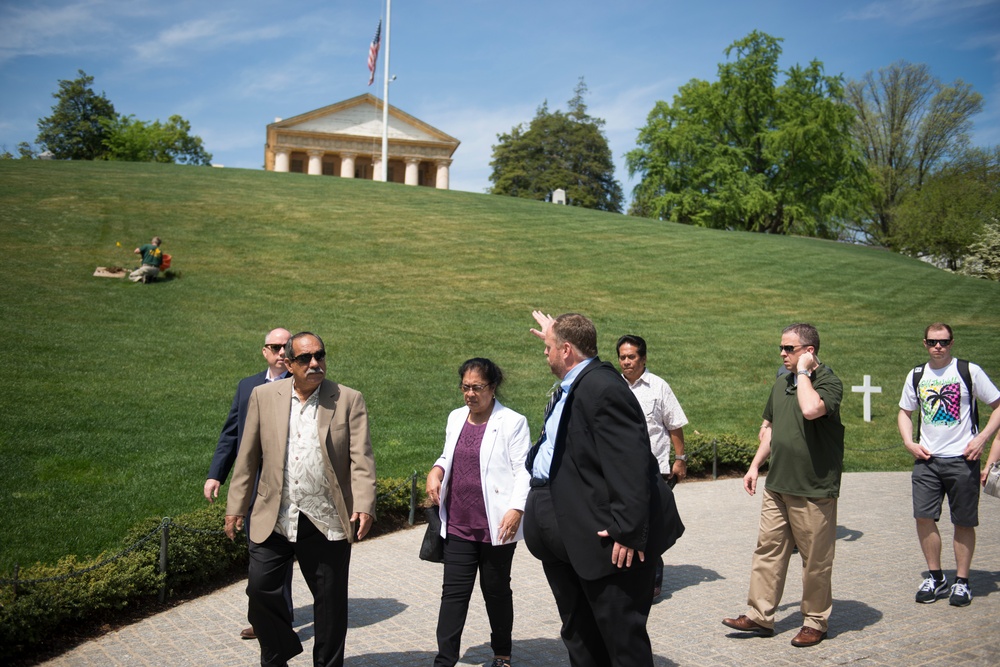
(804, 439)
(309, 438)
(232, 429)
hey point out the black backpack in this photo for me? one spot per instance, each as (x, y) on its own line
(963, 371)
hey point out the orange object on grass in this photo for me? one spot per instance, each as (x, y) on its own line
(164, 262)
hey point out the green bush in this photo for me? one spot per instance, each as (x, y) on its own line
(734, 453)
(393, 495)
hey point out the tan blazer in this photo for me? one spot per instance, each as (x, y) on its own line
(342, 419)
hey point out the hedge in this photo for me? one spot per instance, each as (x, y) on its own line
(49, 597)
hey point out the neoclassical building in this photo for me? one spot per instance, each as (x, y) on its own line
(345, 139)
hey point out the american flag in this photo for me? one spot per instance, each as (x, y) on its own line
(373, 52)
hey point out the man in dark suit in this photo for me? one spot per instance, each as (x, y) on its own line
(232, 429)
(309, 439)
(598, 514)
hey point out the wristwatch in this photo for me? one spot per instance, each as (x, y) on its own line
(681, 457)
(804, 373)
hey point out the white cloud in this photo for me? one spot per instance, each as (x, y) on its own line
(913, 11)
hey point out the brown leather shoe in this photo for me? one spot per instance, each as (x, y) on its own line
(808, 637)
(744, 624)
(248, 633)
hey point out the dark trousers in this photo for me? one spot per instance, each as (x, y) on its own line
(462, 560)
(603, 620)
(288, 580)
(325, 566)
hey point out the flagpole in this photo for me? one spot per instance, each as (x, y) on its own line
(385, 96)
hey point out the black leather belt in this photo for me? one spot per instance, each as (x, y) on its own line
(538, 481)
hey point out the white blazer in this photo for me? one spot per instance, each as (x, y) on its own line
(504, 478)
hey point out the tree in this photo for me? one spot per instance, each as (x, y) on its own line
(558, 150)
(908, 124)
(74, 131)
(983, 260)
(949, 212)
(745, 153)
(132, 140)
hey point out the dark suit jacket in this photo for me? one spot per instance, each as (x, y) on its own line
(604, 476)
(349, 463)
(232, 430)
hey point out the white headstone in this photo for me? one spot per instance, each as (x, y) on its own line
(867, 389)
(559, 196)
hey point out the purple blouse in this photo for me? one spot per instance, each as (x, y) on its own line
(466, 509)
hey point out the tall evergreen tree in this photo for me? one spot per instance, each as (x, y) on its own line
(558, 150)
(74, 131)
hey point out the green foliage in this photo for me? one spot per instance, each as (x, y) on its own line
(744, 153)
(558, 150)
(950, 211)
(908, 125)
(983, 259)
(74, 131)
(393, 495)
(132, 140)
(734, 453)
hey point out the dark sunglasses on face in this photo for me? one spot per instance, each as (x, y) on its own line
(788, 349)
(274, 347)
(932, 342)
(306, 357)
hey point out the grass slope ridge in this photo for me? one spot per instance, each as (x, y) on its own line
(112, 394)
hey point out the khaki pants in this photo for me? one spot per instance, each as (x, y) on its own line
(788, 521)
(143, 272)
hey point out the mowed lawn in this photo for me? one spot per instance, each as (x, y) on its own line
(112, 394)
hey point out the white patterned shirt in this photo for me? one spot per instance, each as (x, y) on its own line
(663, 414)
(305, 488)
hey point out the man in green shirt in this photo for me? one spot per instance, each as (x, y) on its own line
(804, 438)
(152, 257)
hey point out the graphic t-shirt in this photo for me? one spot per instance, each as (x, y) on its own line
(945, 411)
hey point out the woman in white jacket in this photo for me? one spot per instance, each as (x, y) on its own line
(481, 484)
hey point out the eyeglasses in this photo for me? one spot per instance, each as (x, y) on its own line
(306, 357)
(788, 349)
(274, 347)
(933, 342)
(474, 388)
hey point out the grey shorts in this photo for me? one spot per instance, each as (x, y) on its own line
(954, 477)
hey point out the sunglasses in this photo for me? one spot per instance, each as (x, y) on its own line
(306, 357)
(788, 349)
(274, 347)
(933, 342)
(474, 388)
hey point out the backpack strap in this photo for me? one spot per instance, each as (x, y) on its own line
(918, 372)
(963, 370)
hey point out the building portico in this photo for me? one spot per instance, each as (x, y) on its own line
(345, 140)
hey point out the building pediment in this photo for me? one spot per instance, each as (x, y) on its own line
(361, 117)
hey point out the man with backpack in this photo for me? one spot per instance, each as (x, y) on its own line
(946, 450)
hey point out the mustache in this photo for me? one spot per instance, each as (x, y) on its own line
(314, 371)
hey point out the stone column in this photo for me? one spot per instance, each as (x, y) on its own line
(377, 167)
(441, 182)
(347, 165)
(315, 163)
(281, 156)
(412, 165)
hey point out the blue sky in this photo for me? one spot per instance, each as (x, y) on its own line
(471, 68)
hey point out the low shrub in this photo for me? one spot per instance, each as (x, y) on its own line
(734, 453)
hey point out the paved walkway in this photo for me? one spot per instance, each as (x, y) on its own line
(394, 599)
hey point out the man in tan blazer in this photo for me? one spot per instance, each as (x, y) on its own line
(309, 438)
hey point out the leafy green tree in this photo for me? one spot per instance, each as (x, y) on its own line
(908, 125)
(746, 153)
(25, 151)
(949, 212)
(558, 150)
(74, 131)
(983, 260)
(132, 140)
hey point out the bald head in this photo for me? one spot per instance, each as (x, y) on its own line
(274, 350)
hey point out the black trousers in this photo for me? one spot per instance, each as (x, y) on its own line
(325, 566)
(603, 620)
(462, 560)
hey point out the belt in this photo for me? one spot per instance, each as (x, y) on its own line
(538, 481)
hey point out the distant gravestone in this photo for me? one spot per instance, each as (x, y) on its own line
(559, 196)
(867, 389)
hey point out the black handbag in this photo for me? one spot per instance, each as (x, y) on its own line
(432, 548)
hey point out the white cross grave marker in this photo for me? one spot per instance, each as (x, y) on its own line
(867, 389)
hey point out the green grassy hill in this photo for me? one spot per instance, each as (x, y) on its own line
(112, 394)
